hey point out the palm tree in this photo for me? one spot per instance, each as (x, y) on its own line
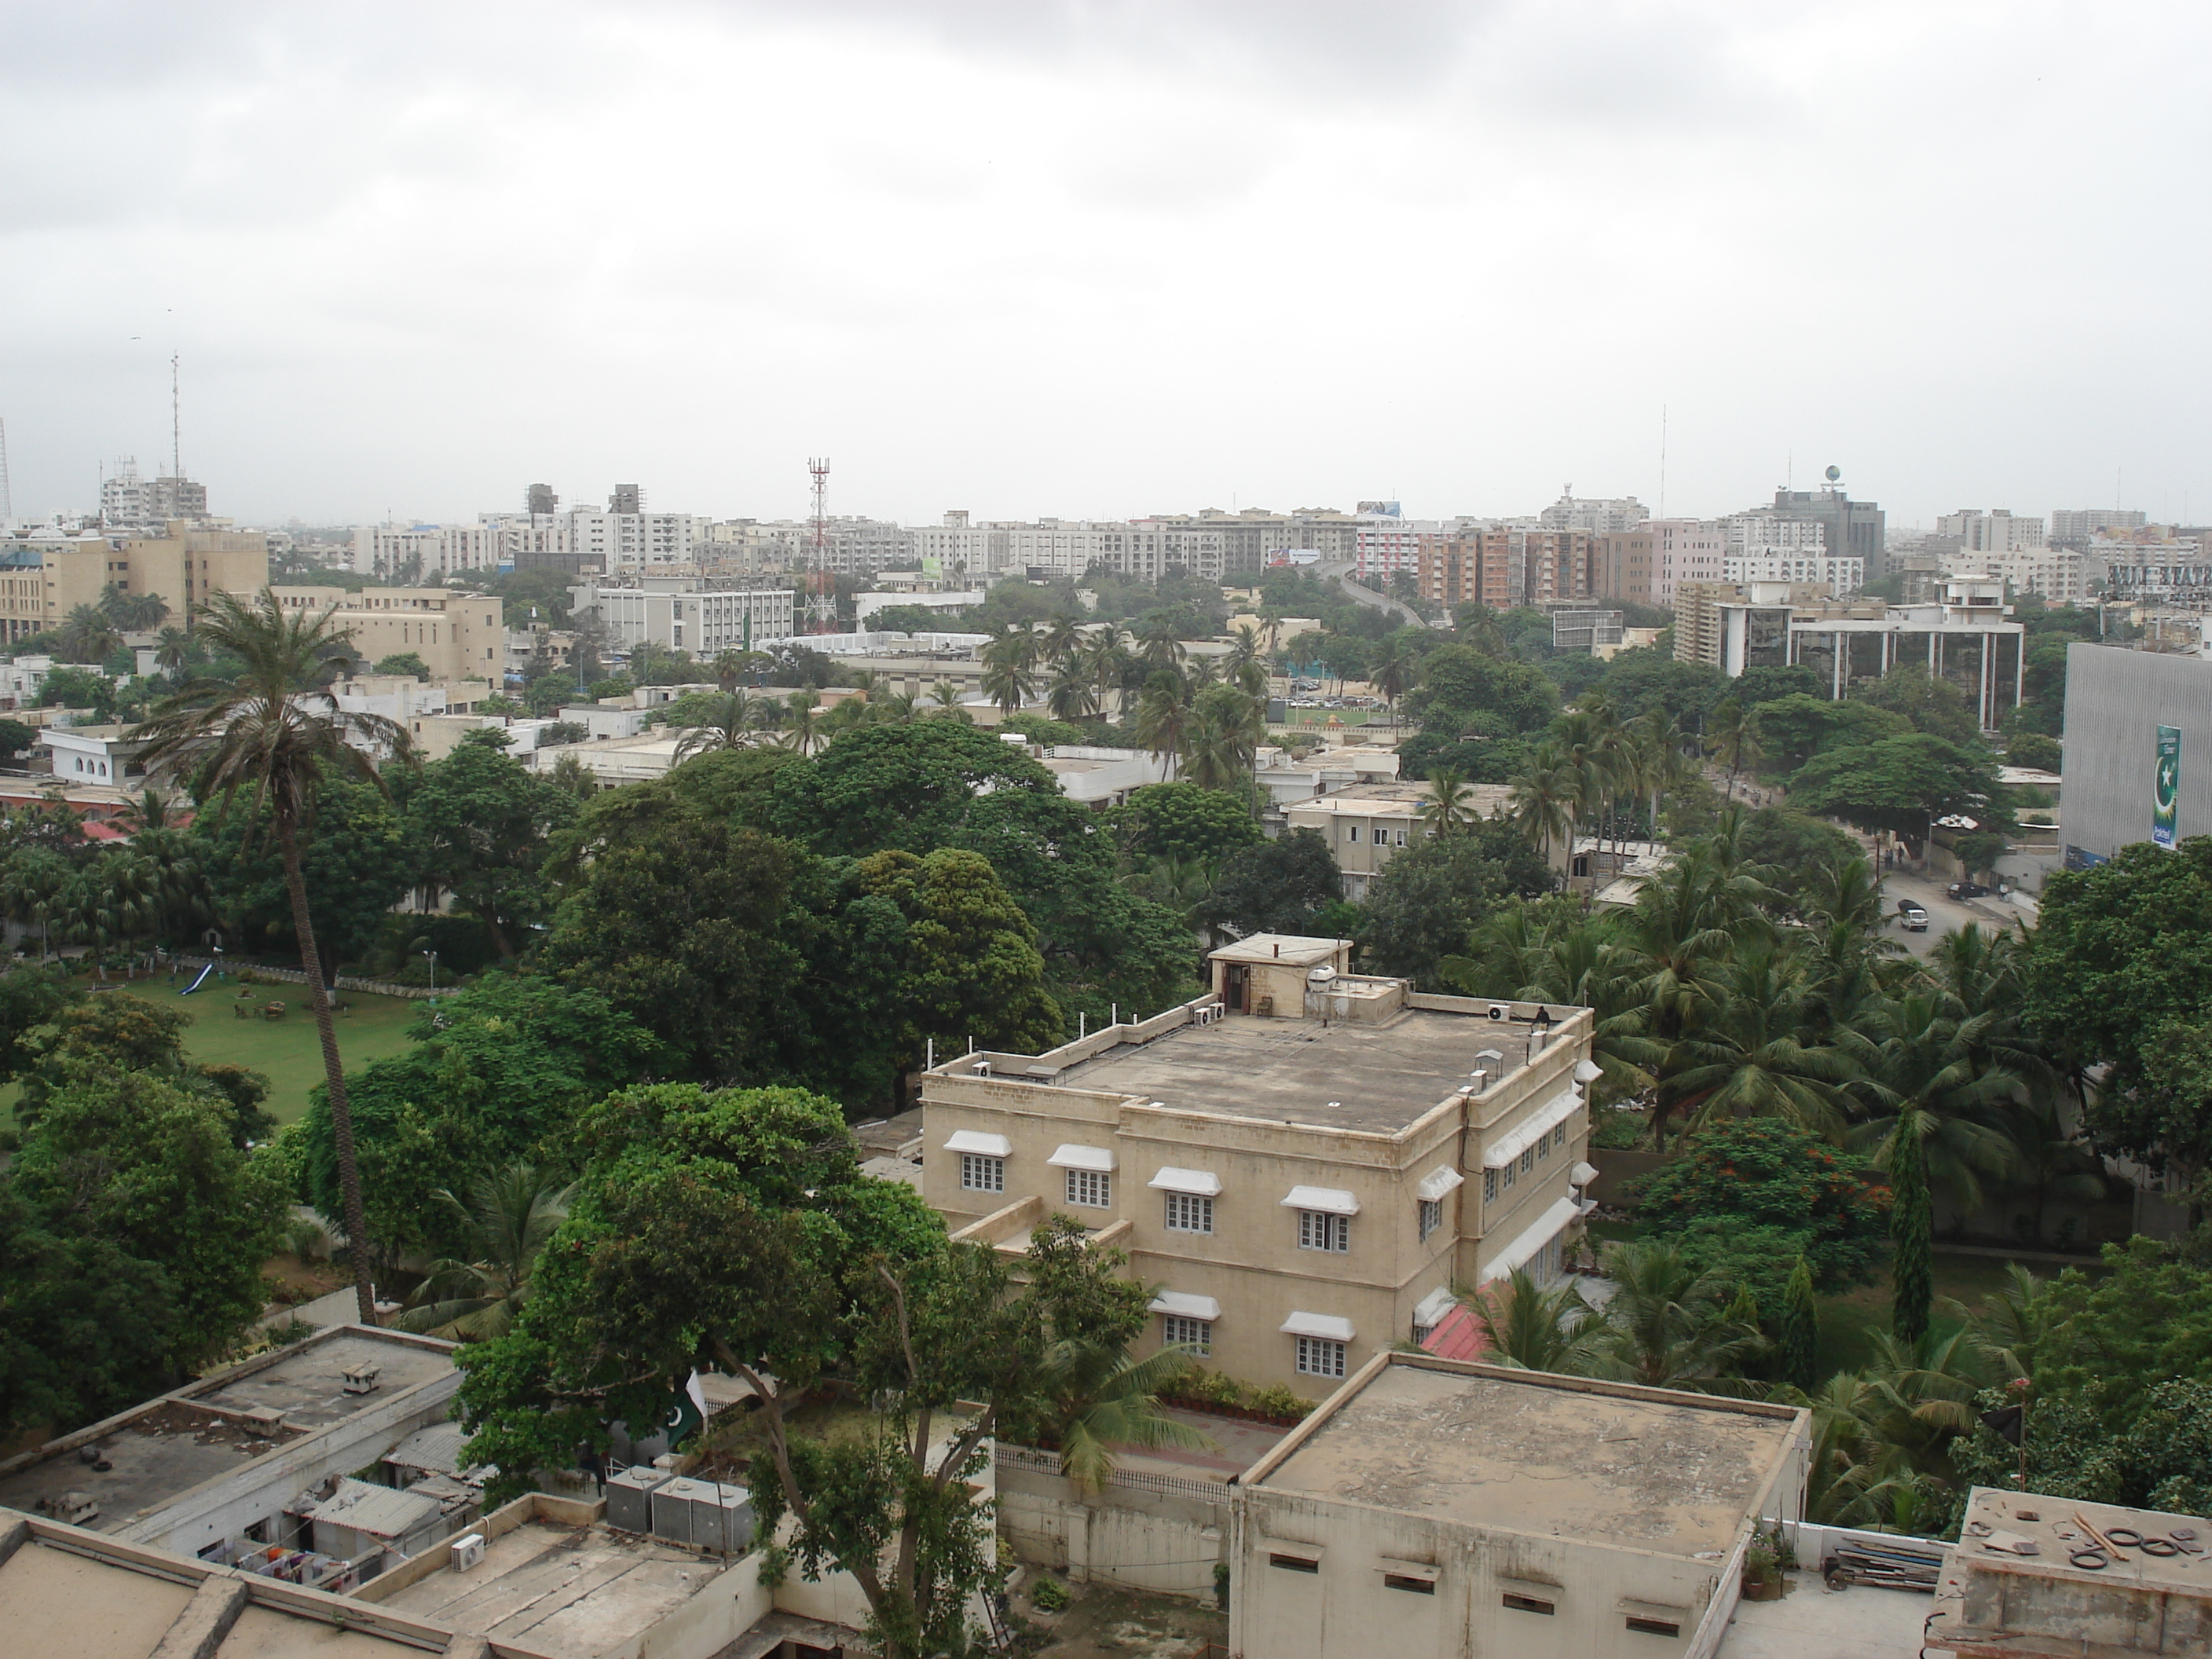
(275, 731)
(133, 613)
(732, 720)
(31, 884)
(173, 648)
(1074, 693)
(1221, 739)
(87, 635)
(1006, 679)
(1528, 1328)
(1666, 1325)
(1448, 804)
(1159, 647)
(511, 1215)
(1746, 1055)
(1107, 655)
(1732, 735)
(1062, 638)
(1102, 1399)
(1163, 715)
(1543, 802)
(944, 695)
(804, 722)
(1916, 1059)
(1392, 675)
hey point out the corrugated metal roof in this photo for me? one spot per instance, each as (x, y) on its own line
(438, 1447)
(1457, 1336)
(379, 1511)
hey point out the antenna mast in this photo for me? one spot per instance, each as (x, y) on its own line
(6, 495)
(176, 429)
(821, 604)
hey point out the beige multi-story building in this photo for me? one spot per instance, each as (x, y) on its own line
(1697, 630)
(43, 579)
(1304, 1160)
(1625, 566)
(459, 635)
(1367, 825)
(1437, 1507)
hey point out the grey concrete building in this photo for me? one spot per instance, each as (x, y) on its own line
(2117, 702)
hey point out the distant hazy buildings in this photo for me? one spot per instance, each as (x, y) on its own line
(459, 635)
(1851, 529)
(1995, 532)
(1597, 515)
(127, 501)
(2078, 526)
(680, 613)
(1685, 551)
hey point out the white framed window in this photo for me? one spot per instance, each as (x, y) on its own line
(981, 1173)
(1319, 1231)
(1319, 1357)
(1189, 1212)
(1490, 1186)
(1543, 1149)
(1401, 838)
(1559, 1137)
(1092, 1189)
(1196, 1335)
(1433, 1215)
(1528, 1161)
(1506, 1177)
(1351, 834)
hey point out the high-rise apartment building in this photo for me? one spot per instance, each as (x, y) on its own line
(1505, 568)
(539, 501)
(127, 501)
(2079, 525)
(627, 498)
(1684, 550)
(1599, 516)
(1625, 569)
(1995, 532)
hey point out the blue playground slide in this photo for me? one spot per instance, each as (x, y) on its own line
(196, 983)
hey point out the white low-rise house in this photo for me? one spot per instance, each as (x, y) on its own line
(639, 759)
(1367, 825)
(1104, 777)
(1289, 781)
(91, 754)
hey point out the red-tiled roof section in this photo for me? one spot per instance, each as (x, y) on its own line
(1457, 1336)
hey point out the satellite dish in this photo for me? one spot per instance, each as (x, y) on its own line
(1834, 473)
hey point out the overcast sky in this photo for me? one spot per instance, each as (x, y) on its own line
(1107, 259)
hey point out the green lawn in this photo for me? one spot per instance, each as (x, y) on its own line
(285, 1049)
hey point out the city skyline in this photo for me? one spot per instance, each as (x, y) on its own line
(1104, 263)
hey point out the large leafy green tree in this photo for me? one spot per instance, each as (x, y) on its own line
(138, 1163)
(1766, 1172)
(734, 1229)
(358, 865)
(1184, 821)
(482, 822)
(495, 1075)
(2119, 974)
(1903, 784)
(1430, 897)
(1280, 886)
(1460, 686)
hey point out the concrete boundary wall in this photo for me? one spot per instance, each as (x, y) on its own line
(1133, 1539)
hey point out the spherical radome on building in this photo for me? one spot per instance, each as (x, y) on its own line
(1834, 473)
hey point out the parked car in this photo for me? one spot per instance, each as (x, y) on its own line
(1966, 890)
(1911, 917)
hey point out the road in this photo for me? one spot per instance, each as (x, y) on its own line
(1944, 915)
(1341, 569)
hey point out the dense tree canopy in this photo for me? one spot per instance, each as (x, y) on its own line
(1430, 895)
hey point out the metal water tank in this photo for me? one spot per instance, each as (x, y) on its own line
(630, 1497)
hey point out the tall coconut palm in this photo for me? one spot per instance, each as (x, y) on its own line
(89, 636)
(945, 695)
(1544, 802)
(31, 884)
(1101, 1398)
(1746, 1055)
(1221, 739)
(1163, 714)
(1074, 694)
(802, 725)
(1666, 1325)
(1449, 804)
(1528, 1328)
(510, 1215)
(1108, 656)
(1916, 1060)
(1392, 675)
(133, 613)
(1159, 647)
(274, 731)
(733, 721)
(1062, 638)
(174, 649)
(1732, 735)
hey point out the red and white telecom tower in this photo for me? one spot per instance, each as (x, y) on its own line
(821, 589)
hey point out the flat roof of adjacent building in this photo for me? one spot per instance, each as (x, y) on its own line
(94, 1603)
(1341, 1074)
(569, 1592)
(1550, 1457)
(165, 1448)
(1368, 800)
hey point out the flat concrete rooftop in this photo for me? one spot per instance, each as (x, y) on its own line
(56, 1601)
(1381, 1077)
(170, 1446)
(569, 1592)
(1542, 1458)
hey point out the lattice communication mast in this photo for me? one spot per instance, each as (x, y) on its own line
(6, 495)
(821, 590)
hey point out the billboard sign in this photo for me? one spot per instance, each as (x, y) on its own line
(2166, 788)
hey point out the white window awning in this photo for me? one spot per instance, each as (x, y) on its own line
(1327, 1326)
(1434, 1306)
(1531, 1129)
(1204, 1183)
(974, 1140)
(1187, 1307)
(1582, 1174)
(1530, 1240)
(1435, 1184)
(1329, 1200)
(1074, 1157)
